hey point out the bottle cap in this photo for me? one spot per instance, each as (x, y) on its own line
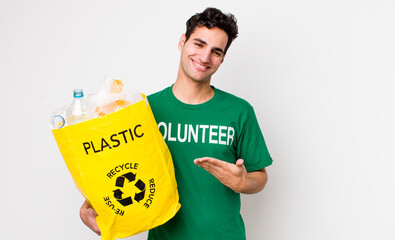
(78, 93)
(58, 121)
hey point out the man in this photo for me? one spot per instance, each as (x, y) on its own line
(217, 147)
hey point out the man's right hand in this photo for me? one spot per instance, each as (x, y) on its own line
(88, 216)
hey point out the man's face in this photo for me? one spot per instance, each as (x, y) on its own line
(203, 53)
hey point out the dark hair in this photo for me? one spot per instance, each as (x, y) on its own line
(210, 18)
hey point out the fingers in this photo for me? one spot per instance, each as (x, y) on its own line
(231, 175)
(209, 160)
(88, 216)
(240, 162)
(216, 162)
(219, 167)
(203, 159)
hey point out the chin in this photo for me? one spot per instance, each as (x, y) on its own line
(201, 80)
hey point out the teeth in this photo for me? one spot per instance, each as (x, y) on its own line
(200, 66)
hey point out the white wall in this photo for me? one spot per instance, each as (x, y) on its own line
(320, 75)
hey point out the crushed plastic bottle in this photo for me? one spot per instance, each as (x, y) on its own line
(110, 98)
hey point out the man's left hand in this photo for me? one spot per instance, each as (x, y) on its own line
(233, 176)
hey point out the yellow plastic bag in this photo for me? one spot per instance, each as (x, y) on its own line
(122, 166)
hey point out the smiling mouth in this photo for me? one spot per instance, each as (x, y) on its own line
(199, 67)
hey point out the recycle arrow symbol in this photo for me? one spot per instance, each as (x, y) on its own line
(141, 186)
(120, 183)
(126, 201)
(118, 194)
(121, 179)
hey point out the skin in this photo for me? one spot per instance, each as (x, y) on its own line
(88, 216)
(234, 176)
(201, 56)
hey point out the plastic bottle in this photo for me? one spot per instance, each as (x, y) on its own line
(77, 111)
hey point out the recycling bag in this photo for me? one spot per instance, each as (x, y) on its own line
(122, 166)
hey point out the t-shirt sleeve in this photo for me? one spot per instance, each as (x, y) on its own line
(251, 146)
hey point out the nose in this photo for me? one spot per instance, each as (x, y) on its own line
(205, 56)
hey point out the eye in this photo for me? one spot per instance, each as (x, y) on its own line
(199, 44)
(218, 54)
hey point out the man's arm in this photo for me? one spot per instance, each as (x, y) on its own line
(88, 216)
(234, 176)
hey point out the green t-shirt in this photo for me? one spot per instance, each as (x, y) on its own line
(226, 128)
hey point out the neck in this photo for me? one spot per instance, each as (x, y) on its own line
(192, 92)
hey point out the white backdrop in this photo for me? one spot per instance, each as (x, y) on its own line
(320, 75)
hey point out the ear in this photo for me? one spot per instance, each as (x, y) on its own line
(223, 58)
(181, 42)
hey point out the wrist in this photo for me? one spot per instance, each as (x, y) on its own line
(243, 185)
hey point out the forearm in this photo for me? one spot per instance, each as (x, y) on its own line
(254, 182)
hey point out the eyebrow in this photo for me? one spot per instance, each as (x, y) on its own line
(204, 42)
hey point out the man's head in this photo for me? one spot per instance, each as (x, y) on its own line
(203, 47)
(211, 18)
